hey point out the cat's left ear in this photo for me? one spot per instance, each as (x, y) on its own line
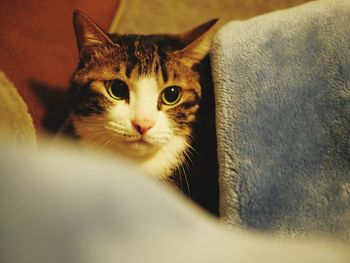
(198, 43)
(89, 35)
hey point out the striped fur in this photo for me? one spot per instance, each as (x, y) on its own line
(147, 64)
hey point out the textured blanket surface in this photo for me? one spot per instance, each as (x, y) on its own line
(16, 123)
(282, 83)
(159, 16)
(62, 204)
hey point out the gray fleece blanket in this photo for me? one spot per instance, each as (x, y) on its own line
(282, 86)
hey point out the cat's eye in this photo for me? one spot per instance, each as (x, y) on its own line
(171, 95)
(118, 89)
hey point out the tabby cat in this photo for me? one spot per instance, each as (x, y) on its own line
(137, 95)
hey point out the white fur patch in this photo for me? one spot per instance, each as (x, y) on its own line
(157, 151)
(166, 158)
(144, 99)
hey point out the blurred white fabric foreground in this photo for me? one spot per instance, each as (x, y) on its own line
(63, 205)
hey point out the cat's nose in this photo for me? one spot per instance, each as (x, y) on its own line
(142, 126)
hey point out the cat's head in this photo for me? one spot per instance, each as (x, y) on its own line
(137, 94)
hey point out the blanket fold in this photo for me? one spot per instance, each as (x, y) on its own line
(282, 86)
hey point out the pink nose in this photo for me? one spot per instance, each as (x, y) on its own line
(142, 126)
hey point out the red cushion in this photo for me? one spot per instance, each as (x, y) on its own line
(38, 51)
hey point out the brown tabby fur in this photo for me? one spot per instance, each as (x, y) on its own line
(170, 59)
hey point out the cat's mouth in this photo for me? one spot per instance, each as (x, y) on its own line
(140, 147)
(141, 141)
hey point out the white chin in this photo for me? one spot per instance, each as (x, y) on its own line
(138, 148)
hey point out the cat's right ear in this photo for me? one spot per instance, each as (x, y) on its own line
(88, 34)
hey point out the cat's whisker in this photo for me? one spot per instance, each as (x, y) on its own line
(117, 127)
(98, 141)
(180, 176)
(182, 173)
(186, 159)
(95, 142)
(127, 134)
(186, 180)
(90, 129)
(112, 98)
(107, 141)
(190, 151)
(91, 137)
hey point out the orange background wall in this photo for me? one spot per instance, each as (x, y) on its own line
(38, 52)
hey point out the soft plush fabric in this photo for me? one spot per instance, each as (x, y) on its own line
(282, 84)
(159, 16)
(16, 123)
(64, 205)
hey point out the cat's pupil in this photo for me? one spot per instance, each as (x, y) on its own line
(118, 89)
(171, 95)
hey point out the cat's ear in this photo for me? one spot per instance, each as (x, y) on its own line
(88, 34)
(198, 43)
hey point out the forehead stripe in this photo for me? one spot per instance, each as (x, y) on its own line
(162, 59)
(164, 71)
(132, 61)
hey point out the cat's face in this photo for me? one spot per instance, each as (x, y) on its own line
(136, 94)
